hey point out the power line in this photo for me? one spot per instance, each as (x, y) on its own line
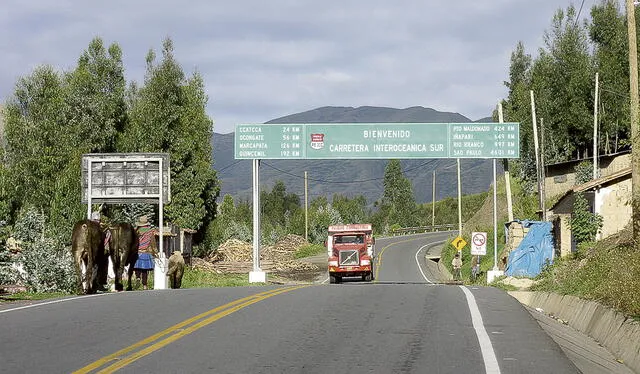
(625, 95)
(578, 16)
(342, 182)
(228, 166)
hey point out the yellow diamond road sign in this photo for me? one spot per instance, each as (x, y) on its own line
(459, 243)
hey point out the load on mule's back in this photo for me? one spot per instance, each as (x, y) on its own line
(90, 259)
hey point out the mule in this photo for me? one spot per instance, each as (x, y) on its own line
(91, 261)
(123, 251)
(176, 269)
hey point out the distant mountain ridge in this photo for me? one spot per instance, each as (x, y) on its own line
(366, 114)
(328, 177)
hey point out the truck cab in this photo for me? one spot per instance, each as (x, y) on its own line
(351, 253)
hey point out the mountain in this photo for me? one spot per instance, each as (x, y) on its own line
(328, 177)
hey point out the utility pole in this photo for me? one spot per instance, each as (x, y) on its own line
(535, 142)
(433, 202)
(595, 132)
(459, 201)
(306, 207)
(507, 178)
(635, 142)
(543, 174)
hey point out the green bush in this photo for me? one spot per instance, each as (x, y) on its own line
(43, 264)
(584, 224)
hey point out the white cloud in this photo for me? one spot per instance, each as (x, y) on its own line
(265, 59)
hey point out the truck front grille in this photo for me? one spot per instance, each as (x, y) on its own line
(349, 257)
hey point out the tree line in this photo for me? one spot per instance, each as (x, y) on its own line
(53, 118)
(562, 78)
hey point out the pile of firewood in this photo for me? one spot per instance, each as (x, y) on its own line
(233, 250)
(235, 256)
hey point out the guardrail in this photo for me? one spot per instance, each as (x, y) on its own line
(421, 229)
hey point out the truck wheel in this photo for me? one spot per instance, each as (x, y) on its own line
(332, 279)
(367, 278)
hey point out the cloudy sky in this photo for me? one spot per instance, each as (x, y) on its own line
(262, 59)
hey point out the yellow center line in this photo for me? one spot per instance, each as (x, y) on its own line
(379, 257)
(214, 314)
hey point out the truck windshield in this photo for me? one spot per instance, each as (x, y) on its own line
(347, 239)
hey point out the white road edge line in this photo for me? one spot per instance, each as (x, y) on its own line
(49, 303)
(418, 262)
(488, 355)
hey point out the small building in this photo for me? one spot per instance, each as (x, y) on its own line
(561, 177)
(609, 196)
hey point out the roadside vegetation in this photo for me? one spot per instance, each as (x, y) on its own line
(199, 278)
(606, 271)
(310, 250)
(31, 296)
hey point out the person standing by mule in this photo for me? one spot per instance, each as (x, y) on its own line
(147, 249)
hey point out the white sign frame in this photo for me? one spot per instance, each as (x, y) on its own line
(163, 195)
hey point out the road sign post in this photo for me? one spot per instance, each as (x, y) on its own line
(373, 141)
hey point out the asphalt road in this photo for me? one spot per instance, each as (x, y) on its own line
(400, 324)
(402, 259)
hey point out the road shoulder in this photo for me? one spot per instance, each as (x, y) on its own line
(588, 355)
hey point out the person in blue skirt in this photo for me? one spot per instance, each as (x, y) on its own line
(147, 249)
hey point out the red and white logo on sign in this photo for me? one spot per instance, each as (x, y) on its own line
(317, 141)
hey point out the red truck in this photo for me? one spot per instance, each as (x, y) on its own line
(351, 252)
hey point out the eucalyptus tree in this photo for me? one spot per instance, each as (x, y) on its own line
(352, 210)
(398, 204)
(608, 33)
(168, 114)
(570, 82)
(37, 139)
(95, 114)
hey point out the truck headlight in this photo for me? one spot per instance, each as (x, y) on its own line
(365, 262)
(333, 263)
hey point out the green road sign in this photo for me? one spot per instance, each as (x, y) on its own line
(377, 140)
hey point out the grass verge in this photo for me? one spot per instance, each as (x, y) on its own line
(193, 278)
(31, 296)
(198, 278)
(310, 250)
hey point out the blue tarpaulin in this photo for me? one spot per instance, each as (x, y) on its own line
(534, 251)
